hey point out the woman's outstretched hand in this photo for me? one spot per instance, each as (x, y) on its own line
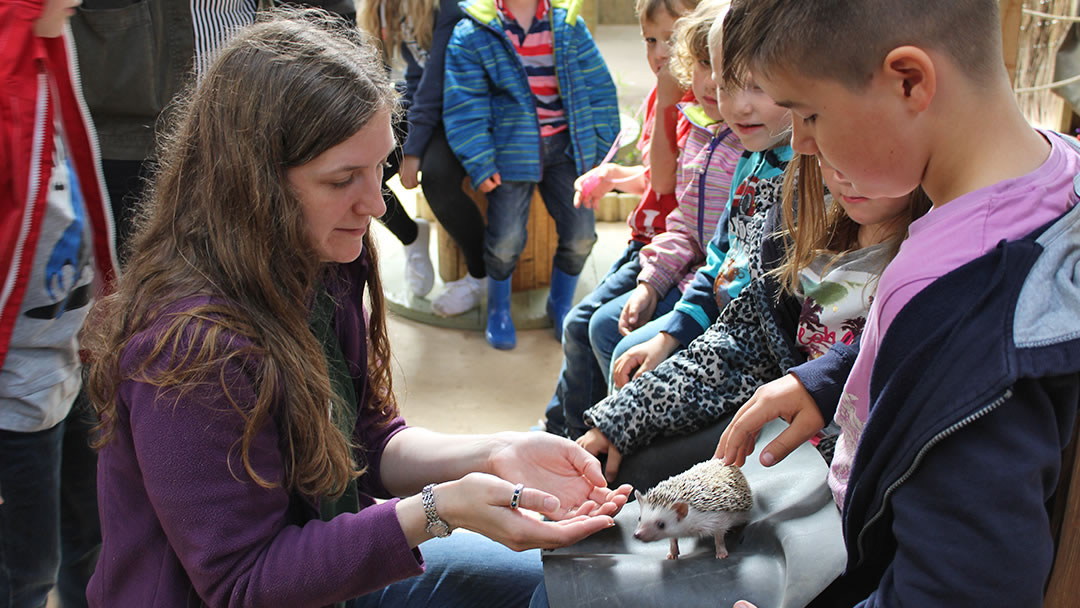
(782, 398)
(556, 465)
(482, 503)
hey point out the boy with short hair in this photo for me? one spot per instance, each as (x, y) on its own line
(528, 101)
(966, 385)
(55, 249)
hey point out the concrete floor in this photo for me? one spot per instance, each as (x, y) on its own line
(450, 379)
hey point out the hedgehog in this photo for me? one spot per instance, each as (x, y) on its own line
(708, 499)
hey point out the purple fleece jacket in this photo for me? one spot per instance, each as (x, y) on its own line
(184, 525)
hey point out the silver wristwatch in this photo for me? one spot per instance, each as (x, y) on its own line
(435, 525)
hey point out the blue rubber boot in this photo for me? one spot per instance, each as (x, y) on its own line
(560, 298)
(500, 325)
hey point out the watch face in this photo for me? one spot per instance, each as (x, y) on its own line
(438, 528)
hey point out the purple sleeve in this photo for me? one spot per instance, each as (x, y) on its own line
(232, 535)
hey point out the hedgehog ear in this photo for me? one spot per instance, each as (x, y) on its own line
(681, 509)
(638, 497)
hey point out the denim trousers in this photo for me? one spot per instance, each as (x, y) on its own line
(644, 333)
(49, 530)
(581, 381)
(465, 570)
(608, 344)
(508, 215)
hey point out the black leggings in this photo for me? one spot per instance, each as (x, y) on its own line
(458, 214)
(396, 219)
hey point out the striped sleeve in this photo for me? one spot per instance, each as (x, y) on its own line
(215, 23)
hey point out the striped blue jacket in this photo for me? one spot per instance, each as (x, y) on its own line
(488, 108)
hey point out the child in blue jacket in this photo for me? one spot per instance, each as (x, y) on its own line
(528, 102)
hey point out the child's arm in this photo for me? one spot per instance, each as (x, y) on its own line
(467, 104)
(806, 397)
(595, 443)
(663, 262)
(608, 177)
(425, 113)
(663, 148)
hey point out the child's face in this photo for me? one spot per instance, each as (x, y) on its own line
(870, 213)
(705, 89)
(50, 24)
(868, 136)
(759, 123)
(657, 35)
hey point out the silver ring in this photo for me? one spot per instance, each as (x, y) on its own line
(517, 495)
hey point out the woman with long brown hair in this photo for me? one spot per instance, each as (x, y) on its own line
(248, 423)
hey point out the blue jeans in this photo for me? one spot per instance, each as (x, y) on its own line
(508, 215)
(608, 344)
(49, 530)
(581, 381)
(464, 570)
(642, 334)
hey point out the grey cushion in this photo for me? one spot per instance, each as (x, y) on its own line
(788, 553)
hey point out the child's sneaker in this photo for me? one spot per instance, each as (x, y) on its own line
(419, 273)
(459, 296)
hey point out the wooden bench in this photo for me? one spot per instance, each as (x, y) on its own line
(533, 270)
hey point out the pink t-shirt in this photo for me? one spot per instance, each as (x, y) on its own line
(938, 243)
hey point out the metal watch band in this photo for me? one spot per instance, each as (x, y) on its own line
(435, 526)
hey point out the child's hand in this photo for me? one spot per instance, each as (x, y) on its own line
(668, 90)
(643, 357)
(782, 398)
(591, 187)
(743, 604)
(490, 183)
(596, 443)
(407, 172)
(638, 309)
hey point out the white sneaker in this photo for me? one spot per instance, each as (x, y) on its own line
(419, 273)
(459, 296)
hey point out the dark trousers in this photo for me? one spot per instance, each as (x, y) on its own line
(49, 529)
(457, 213)
(508, 214)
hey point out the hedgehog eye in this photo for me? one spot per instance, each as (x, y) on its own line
(660, 525)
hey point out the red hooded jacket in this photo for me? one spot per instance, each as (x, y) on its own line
(27, 110)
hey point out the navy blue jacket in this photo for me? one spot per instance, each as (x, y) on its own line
(424, 84)
(974, 396)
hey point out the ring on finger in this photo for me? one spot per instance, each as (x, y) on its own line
(516, 497)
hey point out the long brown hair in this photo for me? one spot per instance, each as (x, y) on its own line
(221, 221)
(382, 19)
(825, 228)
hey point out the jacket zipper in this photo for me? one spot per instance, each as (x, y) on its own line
(41, 114)
(701, 184)
(568, 101)
(501, 34)
(993, 405)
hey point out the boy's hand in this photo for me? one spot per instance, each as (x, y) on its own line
(407, 172)
(596, 443)
(638, 309)
(668, 90)
(643, 357)
(782, 398)
(592, 186)
(490, 183)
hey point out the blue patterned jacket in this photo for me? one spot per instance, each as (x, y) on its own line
(488, 107)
